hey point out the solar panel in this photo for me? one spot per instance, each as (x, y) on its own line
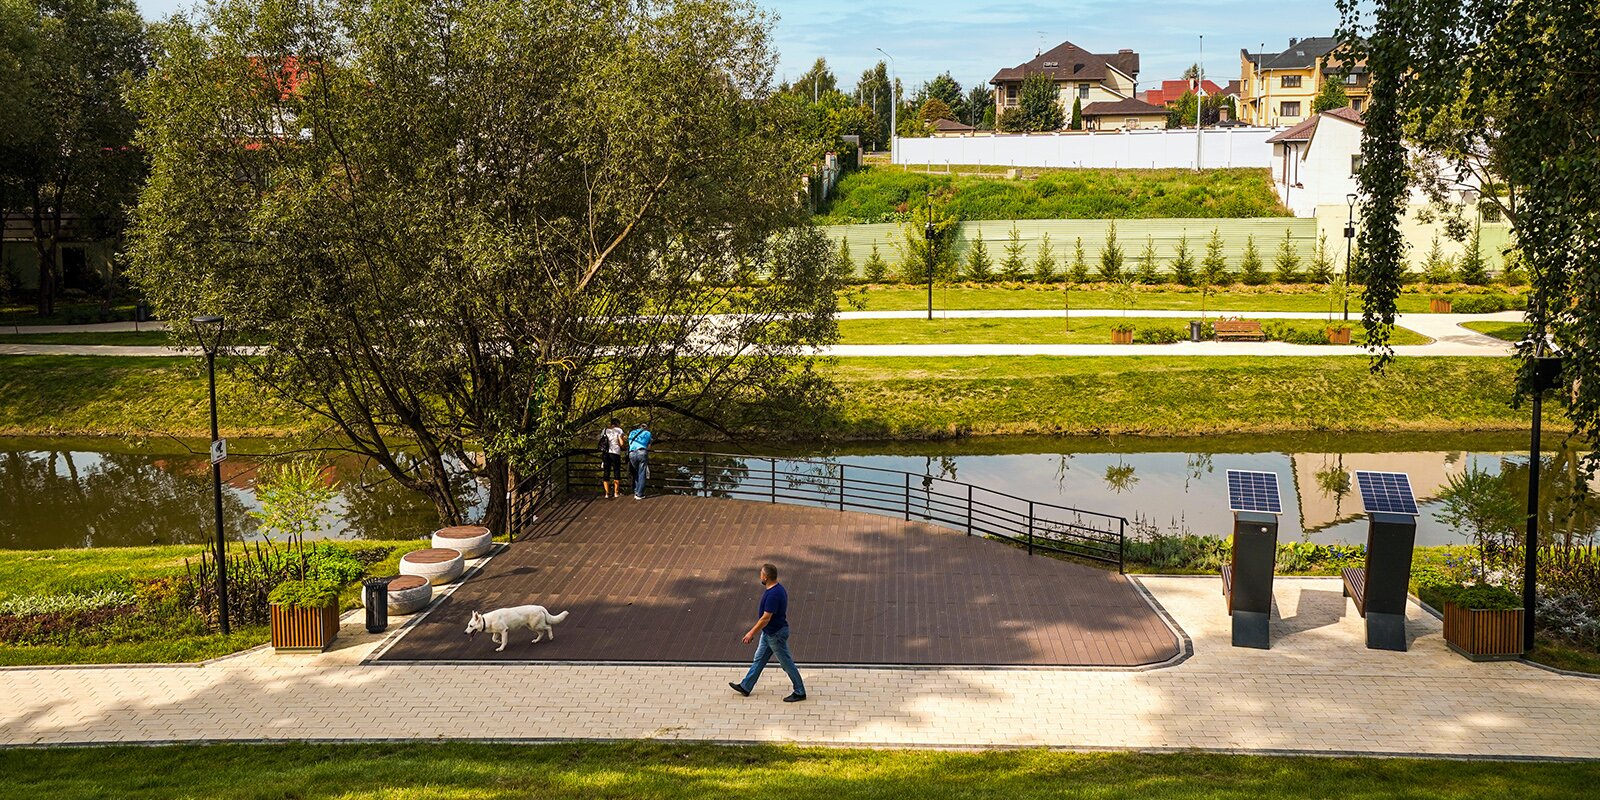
(1386, 493)
(1253, 491)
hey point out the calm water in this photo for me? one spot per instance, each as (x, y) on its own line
(63, 494)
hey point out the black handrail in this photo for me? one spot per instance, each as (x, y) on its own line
(958, 505)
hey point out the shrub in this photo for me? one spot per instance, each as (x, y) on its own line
(1486, 303)
(1158, 334)
(65, 603)
(1250, 270)
(1080, 267)
(875, 269)
(1570, 617)
(1182, 262)
(1110, 256)
(1477, 596)
(1474, 269)
(978, 262)
(1321, 269)
(1044, 262)
(1013, 266)
(1286, 265)
(304, 594)
(1436, 267)
(1148, 274)
(844, 267)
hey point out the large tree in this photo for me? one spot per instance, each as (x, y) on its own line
(66, 152)
(469, 231)
(1452, 81)
(1039, 103)
(873, 90)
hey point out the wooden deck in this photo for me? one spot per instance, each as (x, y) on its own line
(674, 579)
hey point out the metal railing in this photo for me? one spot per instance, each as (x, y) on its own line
(949, 503)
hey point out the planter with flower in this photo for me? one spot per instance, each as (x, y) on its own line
(305, 615)
(1125, 292)
(1338, 293)
(1483, 618)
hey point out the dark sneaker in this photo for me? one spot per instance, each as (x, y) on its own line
(794, 698)
(740, 689)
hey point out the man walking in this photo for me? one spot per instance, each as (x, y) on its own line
(639, 457)
(773, 626)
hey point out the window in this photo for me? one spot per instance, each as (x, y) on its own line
(1289, 109)
(1488, 211)
(1011, 94)
(1131, 123)
(1083, 91)
(1355, 164)
(1355, 104)
(1350, 80)
(1289, 82)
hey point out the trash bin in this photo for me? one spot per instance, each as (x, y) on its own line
(141, 312)
(1194, 330)
(377, 602)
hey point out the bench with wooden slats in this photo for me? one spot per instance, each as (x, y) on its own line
(1241, 329)
(1355, 587)
(1227, 585)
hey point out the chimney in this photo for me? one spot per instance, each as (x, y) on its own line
(1125, 52)
(1293, 41)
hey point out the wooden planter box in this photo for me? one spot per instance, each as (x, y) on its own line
(1439, 305)
(1122, 337)
(304, 630)
(1338, 335)
(1483, 635)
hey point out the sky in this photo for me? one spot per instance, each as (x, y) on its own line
(973, 40)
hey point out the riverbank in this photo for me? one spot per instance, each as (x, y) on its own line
(877, 398)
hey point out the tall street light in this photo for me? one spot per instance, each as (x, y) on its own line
(1349, 239)
(894, 101)
(1546, 376)
(928, 234)
(209, 331)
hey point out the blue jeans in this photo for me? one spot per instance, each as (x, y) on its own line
(773, 643)
(639, 464)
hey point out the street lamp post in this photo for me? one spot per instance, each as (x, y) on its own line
(1349, 239)
(894, 102)
(1546, 375)
(209, 331)
(927, 233)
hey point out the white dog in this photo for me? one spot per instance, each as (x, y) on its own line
(502, 621)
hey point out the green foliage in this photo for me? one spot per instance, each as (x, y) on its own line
(1321, 269)
(1437, 268)
(1077, 113)
(1110, 256)
(1079, 269)
(1484, 509)
(888, 194)
(1250, 267)
(1286, 265)
(1214, 267)
(1475, 597)
(844, 266)
(979, 102)
(304, 594)
(1182, 263)
(1486, 303)
(875, 269)
(1013, 266)
(1159, 334)
(914, 241)
(1331, 95)
(979, 264)
(294, 497)
(1473, 269)
(1125, 293)
(1148, 273)
(1044, 261)
(66, 602)
(1038, 103)
(935, 110)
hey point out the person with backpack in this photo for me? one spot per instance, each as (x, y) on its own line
(611, 459)
(639, 457)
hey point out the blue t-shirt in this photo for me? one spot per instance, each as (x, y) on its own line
(639, 440)
(775, 600)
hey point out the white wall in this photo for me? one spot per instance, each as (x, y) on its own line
(1221, 147)
(1318, 174)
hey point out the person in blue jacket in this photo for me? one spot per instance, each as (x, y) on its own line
(639, 457)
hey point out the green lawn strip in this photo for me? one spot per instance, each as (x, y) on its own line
(142, 638)
(1561, 655)
(457, 771)
(1504, 331)
(1048, 330)
(1298, 298)
(117, 338)
(892, 397)
(65, 314)
(132, 396)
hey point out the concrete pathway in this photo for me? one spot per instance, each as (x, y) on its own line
(1449, 338)
(1318, 690)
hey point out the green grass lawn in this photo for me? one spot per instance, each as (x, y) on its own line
(873, 194)
(1045, 330)
(894, 397)
(146, 638)
(459, 771)
(1299, 298)
(1504, 331)
(65, 314)
(125, 339)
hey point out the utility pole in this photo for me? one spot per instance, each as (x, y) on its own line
(928, 238)
(1199, 98)
(894, 102)
(1349, 239)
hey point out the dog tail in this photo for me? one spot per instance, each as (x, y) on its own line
(558, 617)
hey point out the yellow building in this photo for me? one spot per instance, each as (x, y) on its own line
(1277, 89)
(1079, 75)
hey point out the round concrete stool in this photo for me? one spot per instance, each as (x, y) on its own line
(438, 565)
(471, 540)
(408, 594)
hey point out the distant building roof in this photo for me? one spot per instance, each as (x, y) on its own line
(1305, 130)
(1171, 91)
(1068, 62)
(1125, 107)
(951, 126)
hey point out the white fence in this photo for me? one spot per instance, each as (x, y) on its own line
(1219, 147)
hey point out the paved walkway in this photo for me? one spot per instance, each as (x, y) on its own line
(1318, 690)
(1449, 338)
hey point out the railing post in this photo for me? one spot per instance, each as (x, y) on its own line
(705, 474)
(1030, 527)
(969, 509)
(908, 496)
(773, 465)
(566, 477)
(1122, 546)
(841, 487)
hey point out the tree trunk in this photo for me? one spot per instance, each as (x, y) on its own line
(497, 517)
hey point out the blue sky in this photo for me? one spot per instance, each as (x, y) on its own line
(973, 39)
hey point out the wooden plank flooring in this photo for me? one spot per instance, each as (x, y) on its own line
(674, 579)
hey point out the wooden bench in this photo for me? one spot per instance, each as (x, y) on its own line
(1227, 585)
(1355, 587)
(1241, 329)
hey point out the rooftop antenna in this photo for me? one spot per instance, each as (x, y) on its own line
(1038, 49)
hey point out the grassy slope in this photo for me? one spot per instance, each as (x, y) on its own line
(657, 770)
(1039, 330)
(1035, 296)
(1169, 395)
(57, 571)
(868, 195)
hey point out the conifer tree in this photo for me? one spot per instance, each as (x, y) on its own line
(1214, 267)
(875, 269)
(1183, 262)
(1111, 256)
(979, 264)
(1437, 268)
(1473, 269)
(1148, 274)
(1013, 266)
(1044, 262)
(1250, 268)
(1080, 268)
(1286, 266)
(1321, 270)
(843, 265)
